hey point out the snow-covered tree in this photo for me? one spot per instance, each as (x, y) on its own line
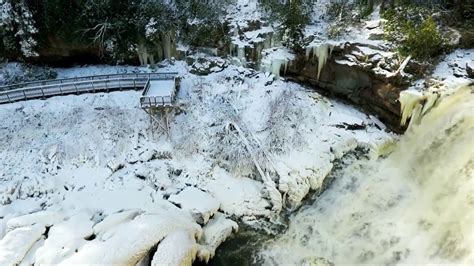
(17, 28)
(294, 16)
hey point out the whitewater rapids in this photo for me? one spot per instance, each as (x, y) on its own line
(416, 206)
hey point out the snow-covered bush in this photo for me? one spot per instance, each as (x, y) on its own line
(16, 73)
(283, 124)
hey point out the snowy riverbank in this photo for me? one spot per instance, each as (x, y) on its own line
(80, 174)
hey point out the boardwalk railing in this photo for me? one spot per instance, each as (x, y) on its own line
(157, 101)
(88, 84)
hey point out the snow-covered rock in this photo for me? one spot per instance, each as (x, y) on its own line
(201, 205)
(15, 244)
(214, 234)
(177, 248)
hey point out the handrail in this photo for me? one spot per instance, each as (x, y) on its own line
(42, 89)
(165, 75)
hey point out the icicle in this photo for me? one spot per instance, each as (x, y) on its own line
(241, 55)
(167, 46)
(414, 105)
(308, 51)
(142, 54)
(322, 52)
(276, 66)
(258, 51)
(232, 47)
(409, 101)
(431, 99)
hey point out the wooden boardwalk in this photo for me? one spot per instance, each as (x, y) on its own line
(89, 84)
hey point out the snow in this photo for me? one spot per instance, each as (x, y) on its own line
(140, 235)
(16, 243)
(452, 69)
(161, 88)
(214, 234)
(64, 239)
(178, 248)
(89, 167)
(201, 205)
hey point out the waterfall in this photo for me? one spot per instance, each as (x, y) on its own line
(415, 206)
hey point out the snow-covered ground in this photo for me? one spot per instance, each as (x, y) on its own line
(82, 174)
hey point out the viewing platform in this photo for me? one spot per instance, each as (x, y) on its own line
(159, 93)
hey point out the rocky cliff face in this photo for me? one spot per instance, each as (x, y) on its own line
(366, 75)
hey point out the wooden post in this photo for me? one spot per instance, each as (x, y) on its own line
(151, 124)
(167, 124)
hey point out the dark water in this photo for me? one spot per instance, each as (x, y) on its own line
(240, 249)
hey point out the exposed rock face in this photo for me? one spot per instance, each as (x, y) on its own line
(365, 75)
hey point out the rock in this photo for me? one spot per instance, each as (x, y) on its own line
(178, 248)
(316, 261)
(376, 36)
(115, 166)
(214, 234)
(372, 24)
(361, 73)
(469, 71)
(204, 65)
(200, 204)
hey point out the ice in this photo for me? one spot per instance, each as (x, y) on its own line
(322, 52)
(274, 59)
(201, 205)
(411, 105)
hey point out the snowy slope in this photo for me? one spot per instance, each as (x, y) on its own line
(88, 170)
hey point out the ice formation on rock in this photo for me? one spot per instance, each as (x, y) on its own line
(215, 233)
(415, 104)
(275, 60)
(322, 52)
